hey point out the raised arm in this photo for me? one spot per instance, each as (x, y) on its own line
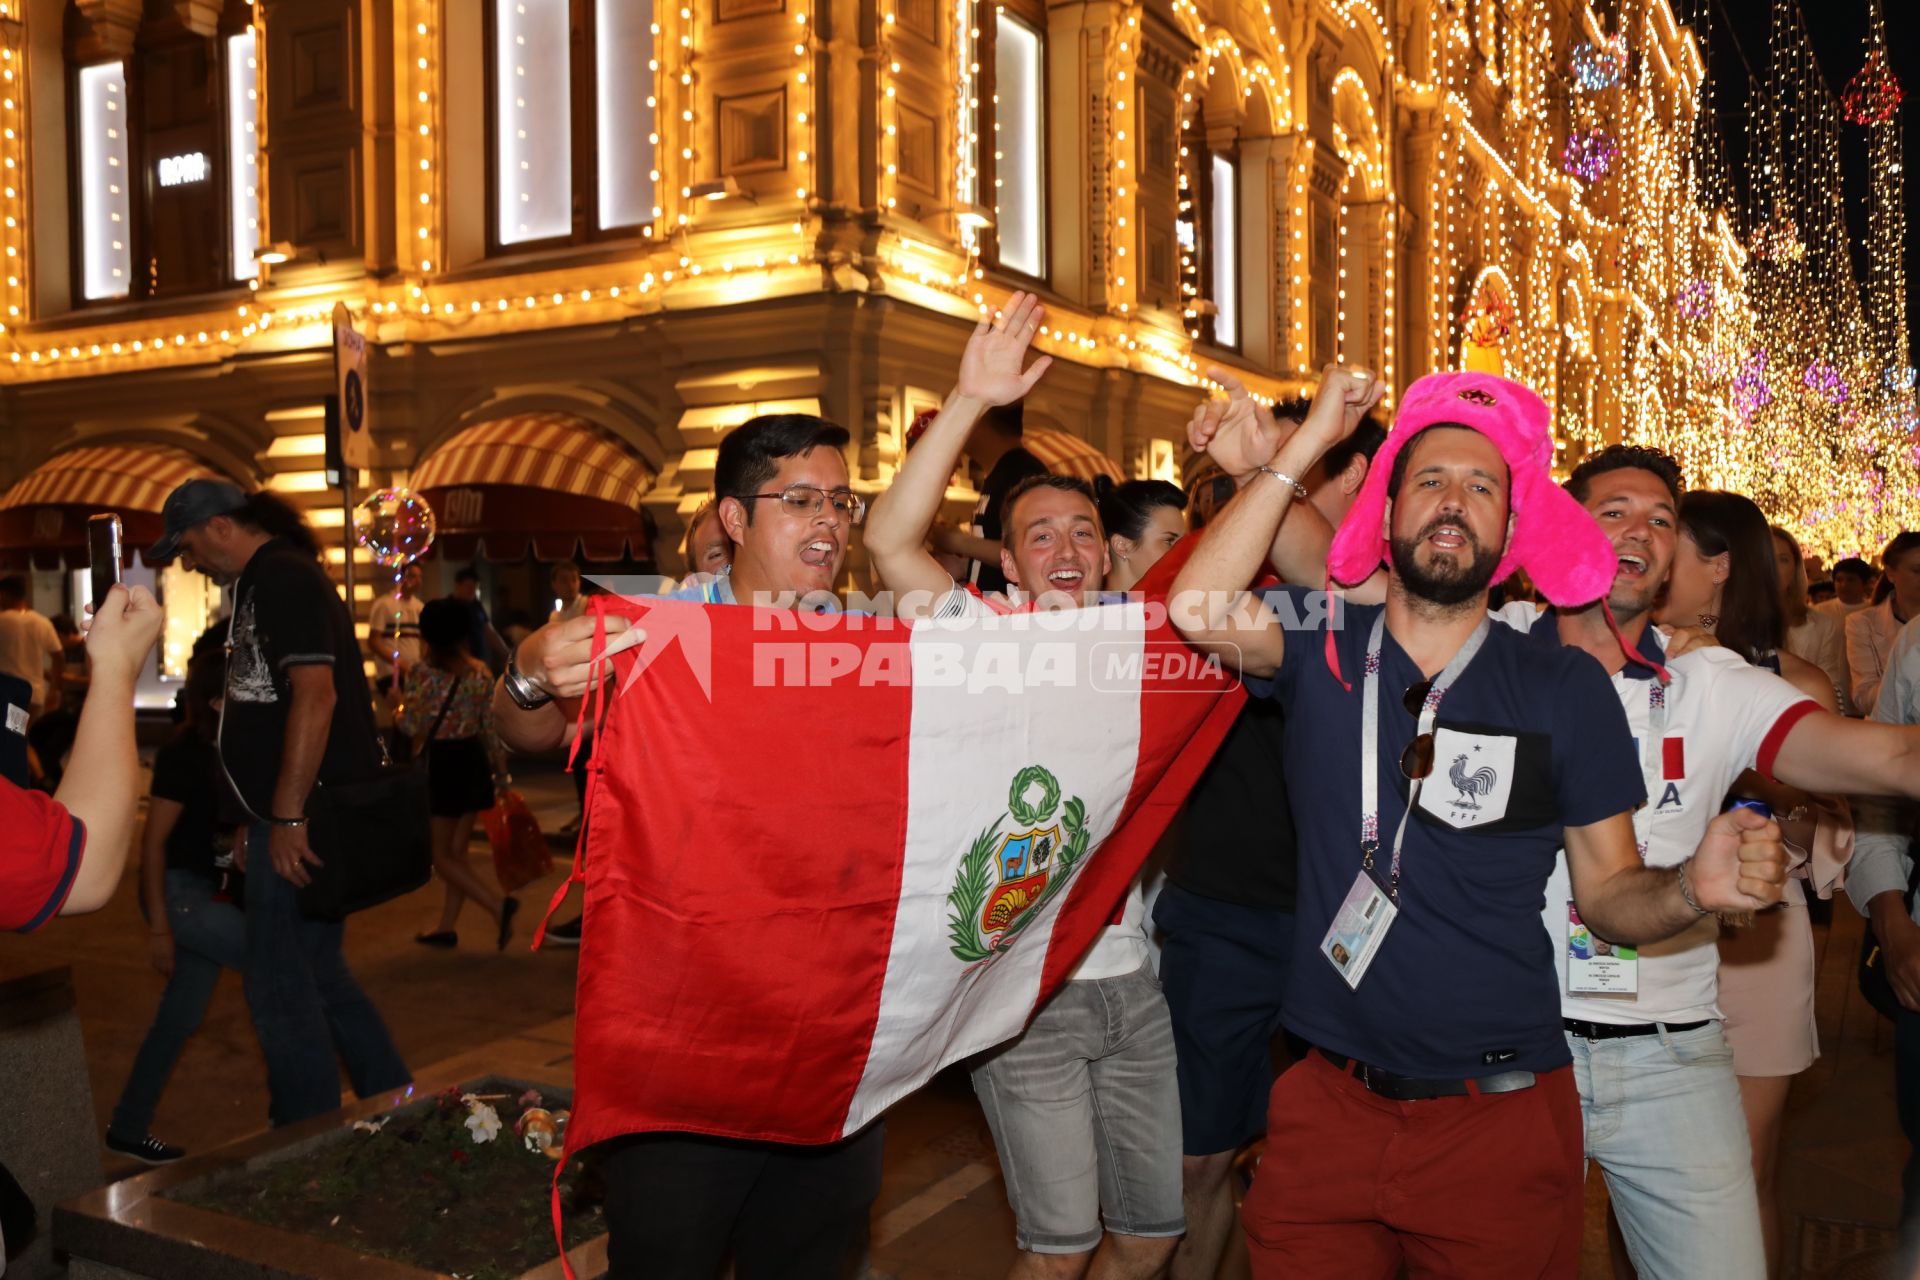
(896, 529)
(1239, 434)
(1211, 605)
(1831, 754)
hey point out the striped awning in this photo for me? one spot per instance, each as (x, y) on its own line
(117, 477)
(553, 451)
(1069, 455)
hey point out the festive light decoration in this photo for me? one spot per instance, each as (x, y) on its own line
(396, 525)
(1825, 381)
(1874, 94)
(1590, 155)
(1694, 300)
(1598, 65)
(1751, 393)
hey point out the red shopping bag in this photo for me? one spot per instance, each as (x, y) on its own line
(520, 853)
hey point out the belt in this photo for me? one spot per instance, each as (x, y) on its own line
(1620, 1031)
(1401, 1088)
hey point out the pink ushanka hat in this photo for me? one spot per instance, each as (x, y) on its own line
(1568, 556)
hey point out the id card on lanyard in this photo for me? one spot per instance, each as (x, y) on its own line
(1596, 967)
(1361, 924)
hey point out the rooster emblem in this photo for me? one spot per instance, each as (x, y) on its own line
(1478, 783)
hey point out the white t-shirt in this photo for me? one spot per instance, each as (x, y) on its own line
(1724, 716)
(26, 642)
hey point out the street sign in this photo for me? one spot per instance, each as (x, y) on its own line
(350, 385)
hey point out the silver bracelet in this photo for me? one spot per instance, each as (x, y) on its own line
(1686, 889)
(1299, 490)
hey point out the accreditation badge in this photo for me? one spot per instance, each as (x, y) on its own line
(1596, 967)
(1358, 929)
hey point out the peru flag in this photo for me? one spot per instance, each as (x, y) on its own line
(829, 855)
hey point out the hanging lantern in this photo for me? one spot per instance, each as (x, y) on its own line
(396, 525)
(1874, 94)
(1599, 66)
(1589, 155)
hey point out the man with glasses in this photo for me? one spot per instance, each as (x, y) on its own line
(1436, 1122)
(680, 1204)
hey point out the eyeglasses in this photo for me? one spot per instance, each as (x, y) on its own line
(1416, 762)
(806, 500)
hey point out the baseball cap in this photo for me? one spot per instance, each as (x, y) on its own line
(194, 502)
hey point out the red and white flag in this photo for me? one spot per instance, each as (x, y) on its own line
(828, 856)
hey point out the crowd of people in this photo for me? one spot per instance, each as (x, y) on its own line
(1507, 856)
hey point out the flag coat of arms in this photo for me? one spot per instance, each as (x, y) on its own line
(828, 855)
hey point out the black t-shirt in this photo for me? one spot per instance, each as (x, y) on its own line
(187, 771)
(1015, 465)
(287, 614)
(1234, 840)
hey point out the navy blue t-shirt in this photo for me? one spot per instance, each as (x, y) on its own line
(1531, 740)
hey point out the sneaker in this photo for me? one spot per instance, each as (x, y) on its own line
(147, 1150)
(565, 935)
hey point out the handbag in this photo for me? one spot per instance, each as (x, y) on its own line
(373, 835)
(520, 853)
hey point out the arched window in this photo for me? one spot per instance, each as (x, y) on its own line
(571, 123)
(163, 165)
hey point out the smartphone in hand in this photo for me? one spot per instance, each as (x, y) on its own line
(103, 552)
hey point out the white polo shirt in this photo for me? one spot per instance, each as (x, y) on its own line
(1723, 717)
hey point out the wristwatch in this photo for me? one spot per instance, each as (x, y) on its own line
(524, 693)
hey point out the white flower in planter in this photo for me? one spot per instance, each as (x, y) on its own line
(483, 1122)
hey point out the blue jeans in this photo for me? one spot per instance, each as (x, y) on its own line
(306, 1005)
(208, 936)
(1664, 1121)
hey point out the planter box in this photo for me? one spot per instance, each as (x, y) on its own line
(139, 1227)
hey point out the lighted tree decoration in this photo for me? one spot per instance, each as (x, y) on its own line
(1874, 94)
(1599, 66)
(1589, 154)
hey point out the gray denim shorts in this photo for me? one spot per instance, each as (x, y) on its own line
(1085, 1113)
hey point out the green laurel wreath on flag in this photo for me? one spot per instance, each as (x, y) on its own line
(975, 879)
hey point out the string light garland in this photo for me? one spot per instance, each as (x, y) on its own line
(1874, 94)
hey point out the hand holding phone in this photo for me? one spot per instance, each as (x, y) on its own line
(103, 551)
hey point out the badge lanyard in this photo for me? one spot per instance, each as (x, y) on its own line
(1370, 743)
(1652, 757)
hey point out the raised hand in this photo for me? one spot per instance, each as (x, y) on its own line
(1740, 864)
(1237, 432)
(1342, 399)
(990, 368)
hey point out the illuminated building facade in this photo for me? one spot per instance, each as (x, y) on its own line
(588, 236)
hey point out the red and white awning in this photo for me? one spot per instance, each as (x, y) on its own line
(1069, 455)
(546, 482)
(114, 477)
(554, 451)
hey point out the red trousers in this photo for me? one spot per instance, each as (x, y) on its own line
(1355, 1185)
